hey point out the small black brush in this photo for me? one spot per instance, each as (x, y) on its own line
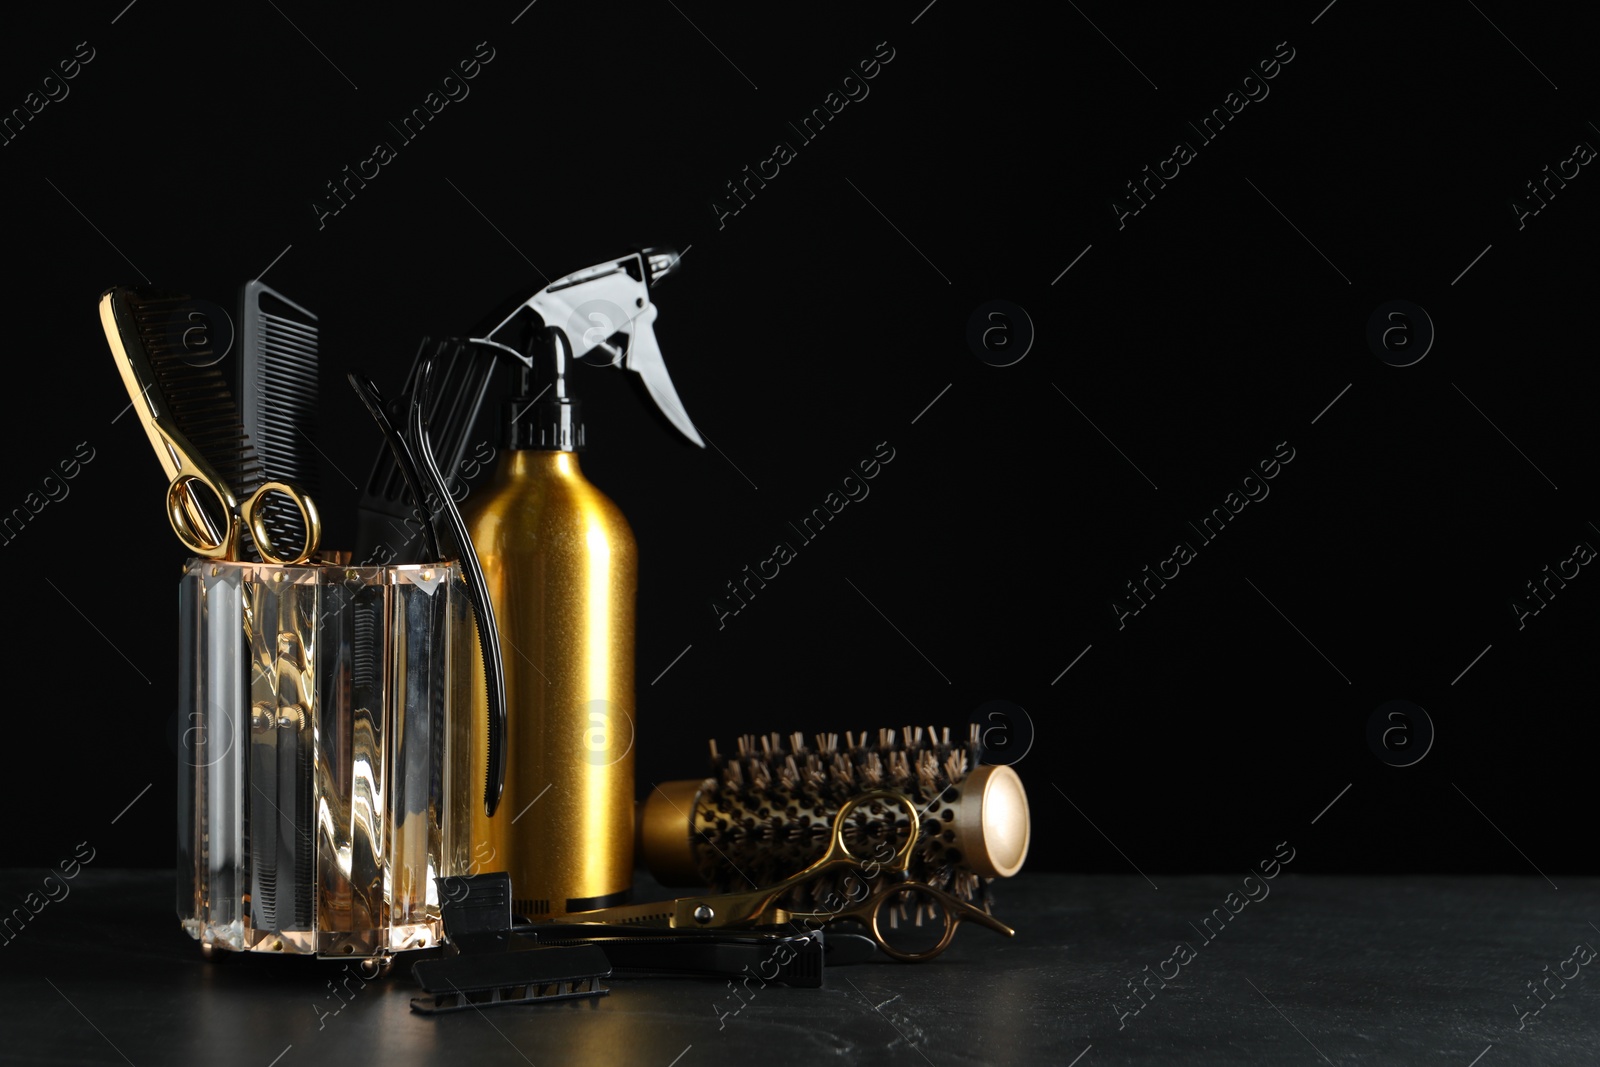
(415, 462)
(389, 527)
(405, 464)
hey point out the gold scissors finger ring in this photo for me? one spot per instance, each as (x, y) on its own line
(198, 530)
(935, 903)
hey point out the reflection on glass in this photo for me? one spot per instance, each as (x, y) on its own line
(315, 779)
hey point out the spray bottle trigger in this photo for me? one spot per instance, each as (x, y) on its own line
(644, 359)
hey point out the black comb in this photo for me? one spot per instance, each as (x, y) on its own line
(280, 809)
(263, 830)
(276, 380)
(296, 879)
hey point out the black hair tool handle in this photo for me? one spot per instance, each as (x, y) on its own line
(403, 459)
(477, 587)
(476, 909)
(785, 957)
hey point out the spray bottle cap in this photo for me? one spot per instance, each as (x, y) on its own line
(543, 418)
(600, 315)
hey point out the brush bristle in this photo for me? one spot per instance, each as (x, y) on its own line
(767, 812)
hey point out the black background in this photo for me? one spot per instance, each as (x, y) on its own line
(827, 315)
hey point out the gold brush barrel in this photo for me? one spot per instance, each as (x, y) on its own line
(765, 813)
(561, 567)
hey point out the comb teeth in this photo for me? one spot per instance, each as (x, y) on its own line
(295, 850)
(195, 392)
(263, 831)
(364, 648)
(278, 396)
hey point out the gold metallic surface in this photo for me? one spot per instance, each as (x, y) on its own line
(991, 825)
(561, 567)
(761, 906)
(665, 824)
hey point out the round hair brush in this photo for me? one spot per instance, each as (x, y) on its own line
(766, 814)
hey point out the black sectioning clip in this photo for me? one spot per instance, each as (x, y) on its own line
(485, 981)
(477, 919)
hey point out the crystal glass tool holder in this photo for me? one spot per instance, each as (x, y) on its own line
(319, 793)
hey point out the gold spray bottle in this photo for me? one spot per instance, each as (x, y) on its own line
(561, 566)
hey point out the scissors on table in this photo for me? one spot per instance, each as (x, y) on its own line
(760, 907)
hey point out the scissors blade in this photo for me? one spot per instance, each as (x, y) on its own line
(967, 913)
(687, 913)
(656, 913)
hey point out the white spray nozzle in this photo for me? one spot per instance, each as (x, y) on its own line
(595, 305)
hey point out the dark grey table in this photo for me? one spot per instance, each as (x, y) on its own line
(1420, 970)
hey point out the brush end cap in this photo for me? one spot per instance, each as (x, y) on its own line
(665, 827)
(993, 825)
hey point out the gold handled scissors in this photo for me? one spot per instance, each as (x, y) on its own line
(759, 907)
(197, 530)
(183, 463)
(870, 912)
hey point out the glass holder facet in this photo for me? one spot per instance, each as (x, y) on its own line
(318, 787)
